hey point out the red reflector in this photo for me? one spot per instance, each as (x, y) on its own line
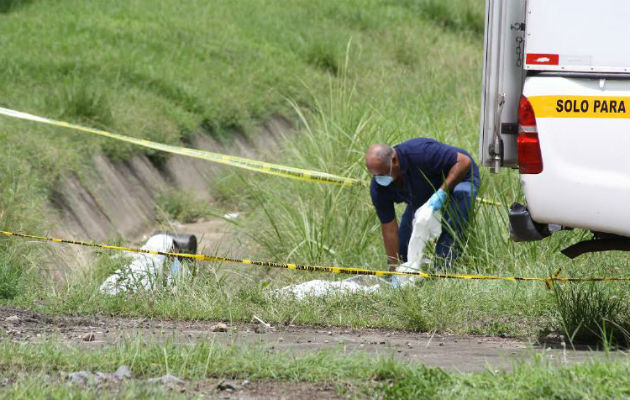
(527, 143)
(526, 116)
(542, 59)
(529, 157)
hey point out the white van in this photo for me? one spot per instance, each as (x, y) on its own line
(556, 105)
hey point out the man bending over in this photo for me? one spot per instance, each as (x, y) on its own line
(414, 172)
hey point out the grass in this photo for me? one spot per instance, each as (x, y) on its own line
(327, 225)
(238, 293)
(33, 371)
(350, 74)
(594, 314)
(181, 206)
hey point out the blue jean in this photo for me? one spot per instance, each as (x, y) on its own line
(455, 219)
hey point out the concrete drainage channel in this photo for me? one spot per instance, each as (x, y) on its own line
(119, 199)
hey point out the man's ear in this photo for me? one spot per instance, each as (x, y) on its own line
(395, 162)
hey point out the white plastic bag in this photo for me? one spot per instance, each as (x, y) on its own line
(426, 226)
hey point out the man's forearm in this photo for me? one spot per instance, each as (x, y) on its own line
(391, 241)
(457, 172)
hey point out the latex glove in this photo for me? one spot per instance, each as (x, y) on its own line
(437, 200)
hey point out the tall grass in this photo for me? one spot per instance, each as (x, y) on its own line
(180, 206)
(315, 223)
(165, 72)
(20, 194)
(355, 73)
(309, 223)
(594, 313)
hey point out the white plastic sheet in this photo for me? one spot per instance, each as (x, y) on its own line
(426, 226)
(321, 288)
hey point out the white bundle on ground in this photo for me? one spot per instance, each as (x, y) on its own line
(426, 226)
(145, 270)
(320, 288)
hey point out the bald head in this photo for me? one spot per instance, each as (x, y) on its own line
(378, 157)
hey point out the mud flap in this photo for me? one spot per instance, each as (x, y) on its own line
(523, 228)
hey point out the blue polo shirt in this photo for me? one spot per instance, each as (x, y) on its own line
(424, 164)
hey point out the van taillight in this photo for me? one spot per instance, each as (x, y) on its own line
(527, 144)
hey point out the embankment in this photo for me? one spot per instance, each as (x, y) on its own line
(118, 198)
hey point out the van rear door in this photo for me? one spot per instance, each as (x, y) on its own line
(503, 76)
(578, 36)
(578, 56)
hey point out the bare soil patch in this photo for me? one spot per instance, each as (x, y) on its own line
(451, 352)
(266, 389)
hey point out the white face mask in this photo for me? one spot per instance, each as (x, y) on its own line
(385, 180)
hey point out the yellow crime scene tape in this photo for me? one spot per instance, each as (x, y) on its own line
(234, 161)
(240, 162)
(318, 268)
